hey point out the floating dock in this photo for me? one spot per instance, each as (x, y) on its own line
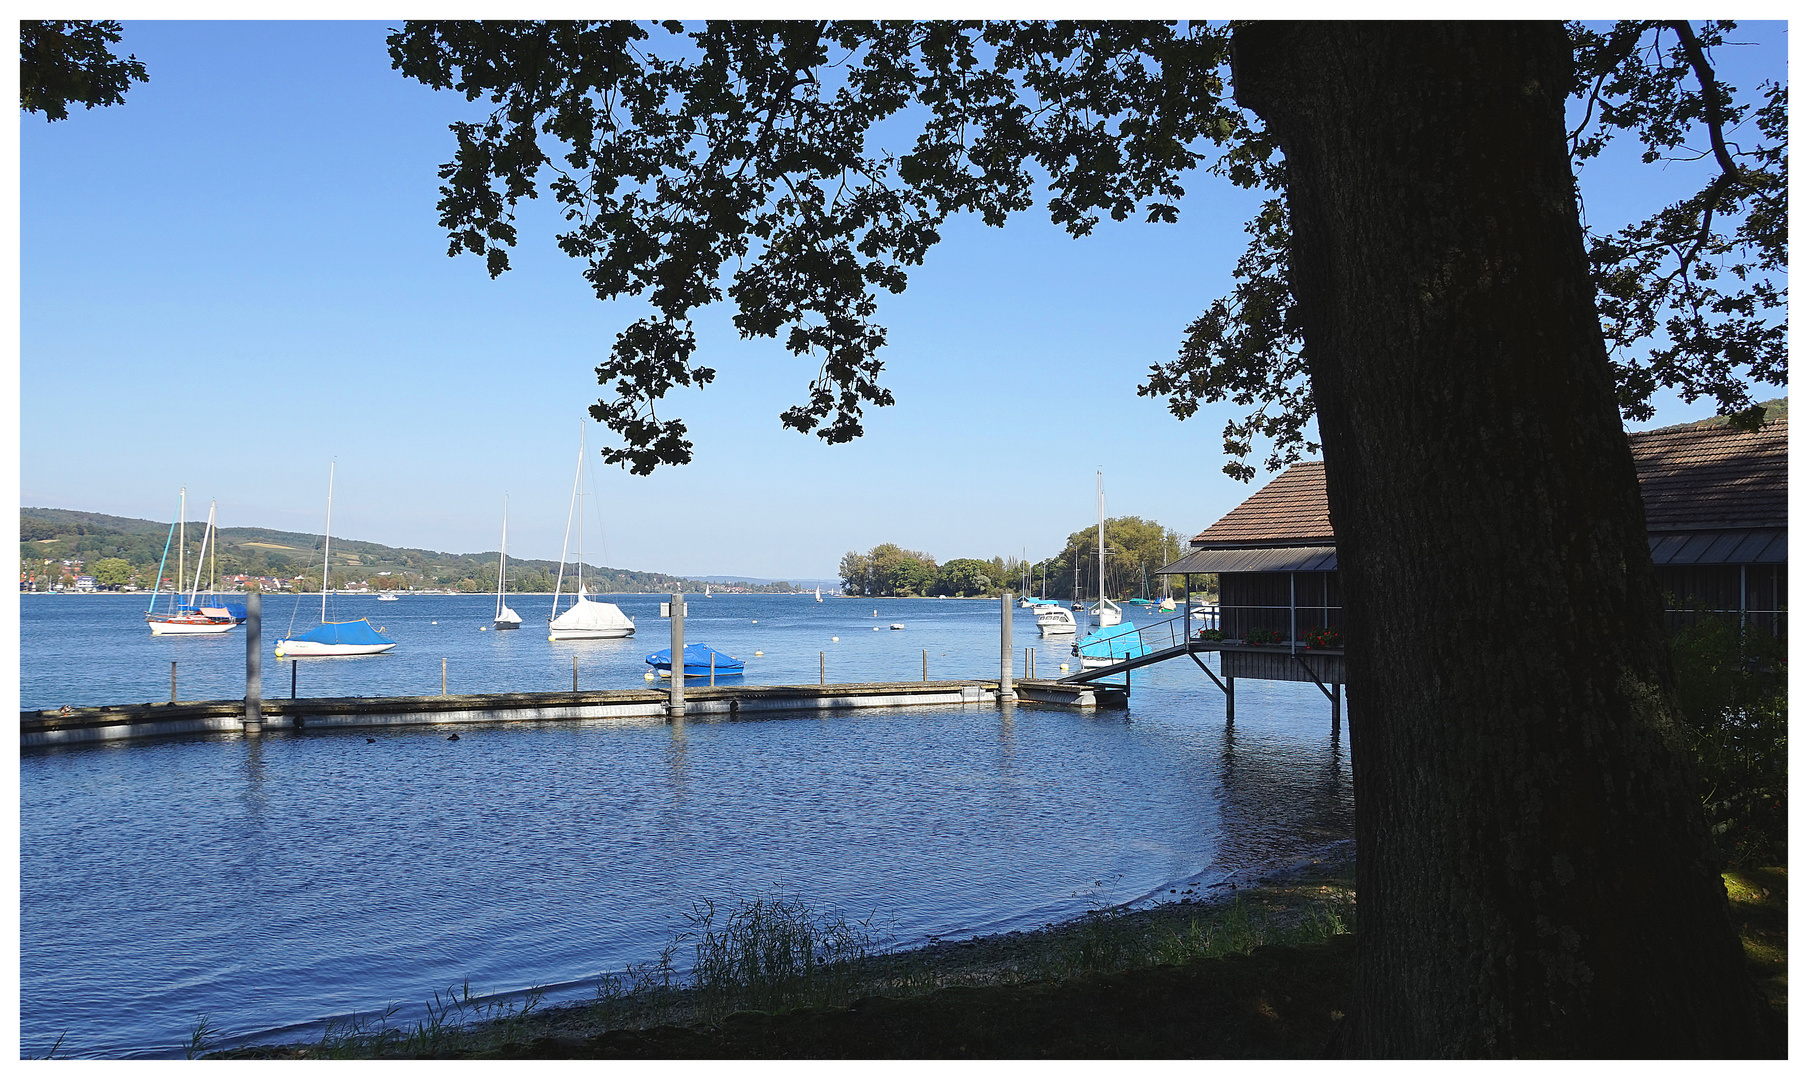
(57, 727)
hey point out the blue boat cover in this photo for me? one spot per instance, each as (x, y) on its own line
(696, 660)
(356, 632)
(1120, 641)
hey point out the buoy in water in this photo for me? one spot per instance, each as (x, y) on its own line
(1063, 667)
(648, 676)
(834, 639)
(756, 652)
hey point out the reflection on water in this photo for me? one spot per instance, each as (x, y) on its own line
(277, 880)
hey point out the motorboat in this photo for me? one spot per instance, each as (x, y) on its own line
(387, 595)
(1054, 619)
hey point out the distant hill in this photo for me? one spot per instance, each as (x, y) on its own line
(1774, 408)
(47, 536)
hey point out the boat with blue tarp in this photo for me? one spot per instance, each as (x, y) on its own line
(1110, 645)
(697, 660)
(354, 638)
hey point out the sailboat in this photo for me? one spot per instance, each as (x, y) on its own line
(585, 618)
(819, 594)
(355, 638)
(506, 619)
(1167, 599)
(188, 618)
(1106, 612)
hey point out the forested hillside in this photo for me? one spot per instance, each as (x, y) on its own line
(48, 537)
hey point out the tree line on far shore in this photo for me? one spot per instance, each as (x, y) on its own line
(1135, 550)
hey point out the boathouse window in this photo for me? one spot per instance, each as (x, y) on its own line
(1291, 602)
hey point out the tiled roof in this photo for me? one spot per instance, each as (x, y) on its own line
(1714, 478)
(1693, 479)
(1289, 510)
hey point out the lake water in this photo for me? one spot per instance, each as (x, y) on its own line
(273, 882)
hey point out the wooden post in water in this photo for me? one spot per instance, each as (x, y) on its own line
(292, 664)
(442, 676)
(172, 682)
(254, 659)
(1029, 662)
(1005, 691)
(822, 669)
(712, 667)
(925, 665)
(677, 706)
(574, 674)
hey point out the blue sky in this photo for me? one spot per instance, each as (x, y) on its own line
(236, 276)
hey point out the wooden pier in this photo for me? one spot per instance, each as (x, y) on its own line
(55, 727)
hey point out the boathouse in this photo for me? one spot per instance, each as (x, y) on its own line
(1716, 510)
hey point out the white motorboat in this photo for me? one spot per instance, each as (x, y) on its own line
(1054, 619)
(354, 638)
(387, 595)
(585, 619)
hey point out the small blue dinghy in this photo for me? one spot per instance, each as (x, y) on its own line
(696, 662)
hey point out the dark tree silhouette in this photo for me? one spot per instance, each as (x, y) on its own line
(1535, 876)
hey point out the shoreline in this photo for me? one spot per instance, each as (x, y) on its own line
(1267, 902)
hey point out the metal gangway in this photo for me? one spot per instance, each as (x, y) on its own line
(1154, 643)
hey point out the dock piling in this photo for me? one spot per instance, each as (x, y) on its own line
(574, 674)
(442, 676)
(292, 669)
(254, 658)
(1005, 691)
(925, 665)
(822, 669)
(676, 708)
(172, 682)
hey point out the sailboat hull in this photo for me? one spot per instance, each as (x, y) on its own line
(291, 647)
(588, 635)
(504, 624)
(166, 626)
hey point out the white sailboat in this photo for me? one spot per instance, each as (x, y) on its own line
(586, 618)
(1106, 612)
(506, 619)
(354, 638)
(189, 618)
(819, 594)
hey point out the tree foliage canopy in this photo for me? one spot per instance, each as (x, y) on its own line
(68, 61)
(743, 161)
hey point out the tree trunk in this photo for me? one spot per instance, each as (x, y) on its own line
(1534, 875)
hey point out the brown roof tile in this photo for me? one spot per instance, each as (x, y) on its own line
(1693, 478)
(1714, 478)
(1289, 510)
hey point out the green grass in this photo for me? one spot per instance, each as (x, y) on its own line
(775, 954)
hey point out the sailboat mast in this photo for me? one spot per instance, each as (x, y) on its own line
(326, 543)
(1101, 546)
(502, 557)
(565, 545)
(181, 549)
(201, 558)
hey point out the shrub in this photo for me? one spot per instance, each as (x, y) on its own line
(1263, 637)
(1733, 687)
